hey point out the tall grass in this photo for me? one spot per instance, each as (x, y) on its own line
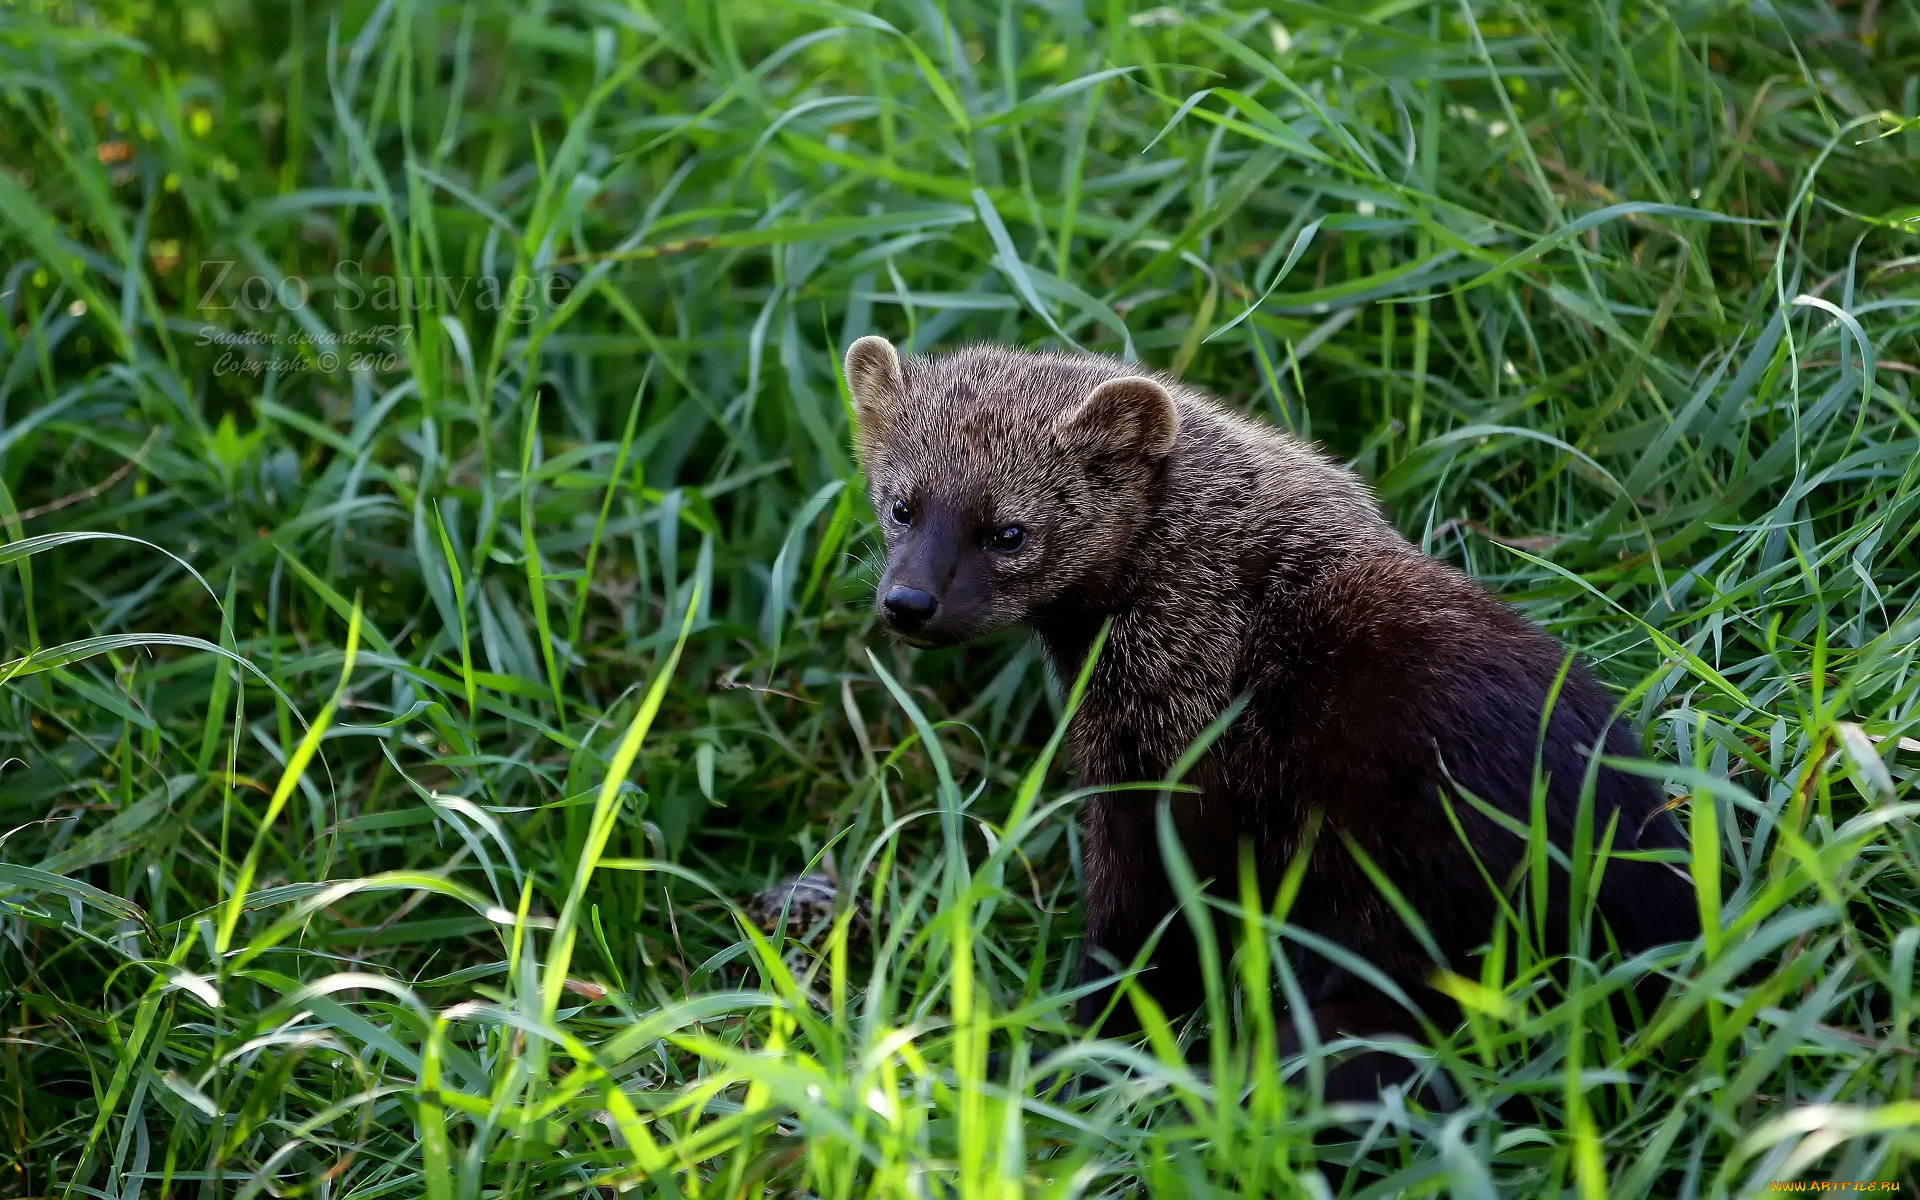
(436, 584)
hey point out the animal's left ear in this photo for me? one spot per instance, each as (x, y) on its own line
(879, 388)
(1133, 414)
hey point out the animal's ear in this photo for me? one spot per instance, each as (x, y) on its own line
(1130, 415)
(879, 388)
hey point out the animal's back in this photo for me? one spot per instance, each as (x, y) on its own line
(1389, 691)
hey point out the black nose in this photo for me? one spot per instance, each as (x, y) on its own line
(908, 608)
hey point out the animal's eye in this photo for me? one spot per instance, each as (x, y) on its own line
(1009, 539)
(902, 515)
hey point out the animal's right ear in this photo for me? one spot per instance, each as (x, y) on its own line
(879, 388)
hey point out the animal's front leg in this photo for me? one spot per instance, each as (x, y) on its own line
(1149, 697)
(1128, 897)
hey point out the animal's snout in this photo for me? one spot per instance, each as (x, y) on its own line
(909, 608)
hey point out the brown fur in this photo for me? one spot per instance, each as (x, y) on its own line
(1233, 559)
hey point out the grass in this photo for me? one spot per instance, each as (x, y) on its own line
(436, 587)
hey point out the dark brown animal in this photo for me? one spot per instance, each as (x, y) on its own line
(1059, 491)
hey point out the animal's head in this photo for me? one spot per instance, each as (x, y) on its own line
(1004, 480)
